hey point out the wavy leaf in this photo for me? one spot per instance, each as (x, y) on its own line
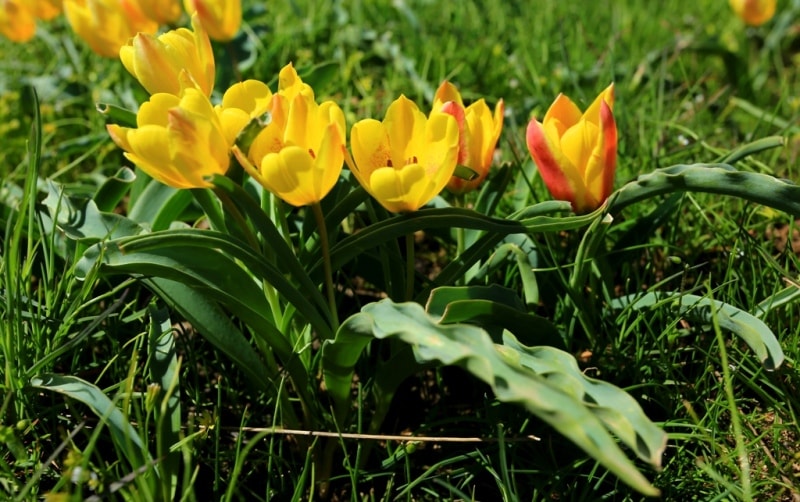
(749, 328)
(551, 399)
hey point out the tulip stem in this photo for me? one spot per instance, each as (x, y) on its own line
(322, 229)
(410, 260)
(458, 201)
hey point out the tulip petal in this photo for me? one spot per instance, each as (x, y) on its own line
(401, 190)
(547, 161)
(405, 125)
(369, 141)
(564, 111)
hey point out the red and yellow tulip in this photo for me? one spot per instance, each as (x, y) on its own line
(299, 155)
(106, 25)
(754, 12)
(220, 18)
(172, 61)
(479, 130)
(408, 158)
(180, 141)
(576, 153)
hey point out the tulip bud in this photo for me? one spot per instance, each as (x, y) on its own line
(576, 153)
(172, 61)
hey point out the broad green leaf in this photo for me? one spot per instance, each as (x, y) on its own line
(81, 220)
(203, 260)
(471, 348)
(742, 324)
(159, 205)
(123, 433)
(616, 409)
(494, 308)
(532, 219)
(710, 178)
(215, 326)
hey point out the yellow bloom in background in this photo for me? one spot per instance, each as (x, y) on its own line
(754, 12)
(106, 25)
(406, 160)
(479, 130)
(47, 9)
(161, 11)
(220, 18)
(576, 153)
(17, 22)
(299, 155)
(179, 141)
(172, 61)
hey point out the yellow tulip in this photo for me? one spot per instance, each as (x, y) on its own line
(47, 9)
(406, 160)
(479, 131)
(161, 11)
(172, 61)
(576, 153)
(106, 25)
(299, 155)
(754, 12)
(17, 22)
(180, 141)
(220, 18)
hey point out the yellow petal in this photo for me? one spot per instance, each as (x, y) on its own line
(564, 111)
(290, 175)
(369, 142)
(446, 92)
(405, 124)
(252, 96)
(402, 190)
(154, 111)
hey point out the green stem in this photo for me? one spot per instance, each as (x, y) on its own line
(409, 267)
(322, 229)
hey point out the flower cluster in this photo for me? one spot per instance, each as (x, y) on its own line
(108, 25)
(296, 147)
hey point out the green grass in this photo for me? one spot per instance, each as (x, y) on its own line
(692, 84)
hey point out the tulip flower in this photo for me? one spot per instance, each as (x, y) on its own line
(172, 61)
(180, 141)
(479, 131)
(299, 155)
(220, 18)
(406, 160)
(106, 25)
(754, 12)
(17, 22)
(161, 11)
(576, 153)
